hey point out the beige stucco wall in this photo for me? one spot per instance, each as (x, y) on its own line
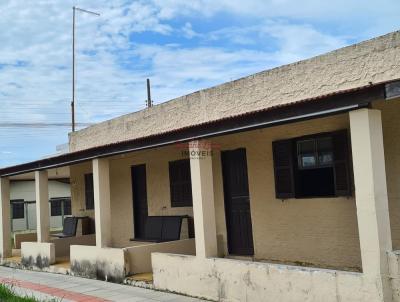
(77, 179)
(40, 254)
(283, 231)
(391, 134)
(158, 190)
(62, 245)
(107, 264)
(358, 65)
(394, 273)
(139, 256)
(318, 231)
(243, 281)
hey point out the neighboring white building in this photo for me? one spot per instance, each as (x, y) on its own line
(23, 205)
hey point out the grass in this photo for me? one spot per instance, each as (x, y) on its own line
(7, 294)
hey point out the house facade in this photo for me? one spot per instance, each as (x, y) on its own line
(23, 205)
(285, 184)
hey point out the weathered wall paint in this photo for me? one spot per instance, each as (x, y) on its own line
(39, 254)
(283, 231)
(77, 180)
(394, 273)
(158, 190)
(358, 65)
(287, 231)
(106, 264)
(391, 134)
(244, 281)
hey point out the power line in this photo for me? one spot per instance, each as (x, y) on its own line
(41, 125)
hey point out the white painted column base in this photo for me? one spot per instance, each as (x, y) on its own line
(108, 264)
(38, 254)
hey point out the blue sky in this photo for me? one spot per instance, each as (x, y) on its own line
(183, 46)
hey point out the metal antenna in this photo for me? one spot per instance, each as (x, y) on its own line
(149, 101)
(74, 9)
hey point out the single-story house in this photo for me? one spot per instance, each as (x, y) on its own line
(280, 186)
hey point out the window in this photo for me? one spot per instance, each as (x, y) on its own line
(315, 153)
(60, 205)
(18, 209)
(67, 206)
(55, 207)
(312, 166)
(180, 183)
(89, 194)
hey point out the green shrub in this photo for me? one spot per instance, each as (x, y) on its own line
(7, 294)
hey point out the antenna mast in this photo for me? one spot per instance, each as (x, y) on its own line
(74, 9)
(149, 102)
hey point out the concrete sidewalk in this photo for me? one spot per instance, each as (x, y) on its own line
(66, 288)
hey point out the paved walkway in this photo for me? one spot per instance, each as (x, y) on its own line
(45, 286)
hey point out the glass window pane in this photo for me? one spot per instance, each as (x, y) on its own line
(308, 161)
(325, 158)
(18, 210)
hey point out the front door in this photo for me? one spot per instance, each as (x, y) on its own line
(237, 202)
(140, 211)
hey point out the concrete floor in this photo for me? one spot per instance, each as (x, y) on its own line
(45, 286)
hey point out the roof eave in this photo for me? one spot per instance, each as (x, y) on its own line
(342, 101)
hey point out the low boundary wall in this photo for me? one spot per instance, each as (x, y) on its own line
(62, 245)
(139, 256)
(236, 280)
(108, 264)
(40, 254)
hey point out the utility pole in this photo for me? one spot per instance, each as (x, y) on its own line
(149, 102)
(74, 9)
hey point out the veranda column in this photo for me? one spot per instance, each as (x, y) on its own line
(102, 208)
(42, 206)
(5, 234)
(371, 195)
(203, 198)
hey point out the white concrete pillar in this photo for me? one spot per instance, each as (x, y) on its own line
(371, 195)
(203, 198)
(102, 201)
(5, 222)
(42, 206)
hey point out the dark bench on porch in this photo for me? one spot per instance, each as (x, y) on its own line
(162, 228)
(69, 228)
(71, 224)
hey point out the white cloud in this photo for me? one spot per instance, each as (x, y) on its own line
(112, 63)
(188, 31)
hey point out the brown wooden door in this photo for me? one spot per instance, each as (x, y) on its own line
(140, 211)
(237, 202)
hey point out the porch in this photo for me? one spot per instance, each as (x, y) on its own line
(292, 241)
(116, 249)
(338, 239)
